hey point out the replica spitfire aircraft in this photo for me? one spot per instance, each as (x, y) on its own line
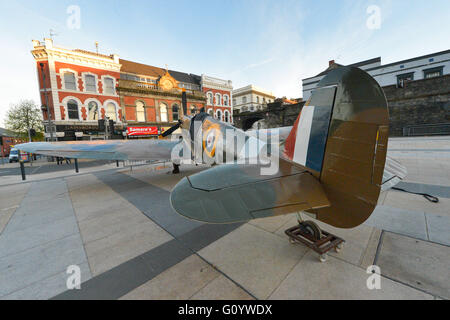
(331, 163)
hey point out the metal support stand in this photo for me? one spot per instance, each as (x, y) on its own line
(309, 233)
(76, 165)
(22, 170)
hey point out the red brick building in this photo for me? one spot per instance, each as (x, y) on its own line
(82, 87)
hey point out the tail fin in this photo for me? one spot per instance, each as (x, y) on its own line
(341, 136)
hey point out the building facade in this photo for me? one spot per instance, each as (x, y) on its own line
(82, 87)
(396, 73)
(79, 89)
(218, 97)
(417, 91)
(251, 98)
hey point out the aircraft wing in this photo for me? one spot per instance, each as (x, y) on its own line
(104, 149)
(233, 193)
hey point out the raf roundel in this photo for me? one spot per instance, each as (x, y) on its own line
(210, 138)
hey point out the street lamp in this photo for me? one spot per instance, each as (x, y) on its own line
(49, 114)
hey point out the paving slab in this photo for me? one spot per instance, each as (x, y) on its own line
(438, 228)
(5, 216)
(256, 259)
(272, 224)
(49, 287)
(108, 252)
(221, 288)
(370, 253)
(338, 280)
(181, 281)
(414, 202)
(108, 224)
(152, 201)
(12, 196)
(20, 270)
(420, 264)
(23, 239)
(407, 222)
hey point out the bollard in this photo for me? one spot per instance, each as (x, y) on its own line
(117, 163)
(22, 170)
(76, 165)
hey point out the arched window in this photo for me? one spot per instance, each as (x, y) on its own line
(72, 109)
(92, 110)
(225, 100)
(193, 109)
(175, 112)
(244, 99)
(109, 86)
(219, 115)
(257, 99)
(163, 112)
(69, 81)
(226, 115)
(140, 111)
(210, 111)
(111, 111)
(218, 99)
(210, 98)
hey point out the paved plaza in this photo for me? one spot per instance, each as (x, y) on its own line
(116, 224)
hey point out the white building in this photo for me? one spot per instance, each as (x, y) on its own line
(251, 98)
(428, 66)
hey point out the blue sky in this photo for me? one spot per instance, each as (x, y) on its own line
(268, 43)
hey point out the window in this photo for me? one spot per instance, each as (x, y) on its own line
(401, 78)
(225, 100)
(234, 102)
(175, 112)
(257, 99)
(210, 111)
(69, 81)
(72, 109)
(244, 99)
(109, 86)
(226, 115)
(218, 99)
(140, 111)
(264, 100)
(92, 110)
(90, 83)
(210, 98)
(163, 112)
(111, 111)
(432, 73)
(219, 115)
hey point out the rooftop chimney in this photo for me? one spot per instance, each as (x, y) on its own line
(330, 63)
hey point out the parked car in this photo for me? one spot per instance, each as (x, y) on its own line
(13, 155)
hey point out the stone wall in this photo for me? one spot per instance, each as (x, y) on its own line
(420, 102)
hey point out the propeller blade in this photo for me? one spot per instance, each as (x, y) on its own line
(171, 129)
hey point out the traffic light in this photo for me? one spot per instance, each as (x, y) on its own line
(111, 127)
(101, 125)
(32, 132)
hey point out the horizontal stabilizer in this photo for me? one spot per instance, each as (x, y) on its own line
(233, 193)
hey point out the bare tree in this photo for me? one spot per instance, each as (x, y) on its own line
(24, 117)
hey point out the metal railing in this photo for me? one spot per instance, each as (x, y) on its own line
(427, 129)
